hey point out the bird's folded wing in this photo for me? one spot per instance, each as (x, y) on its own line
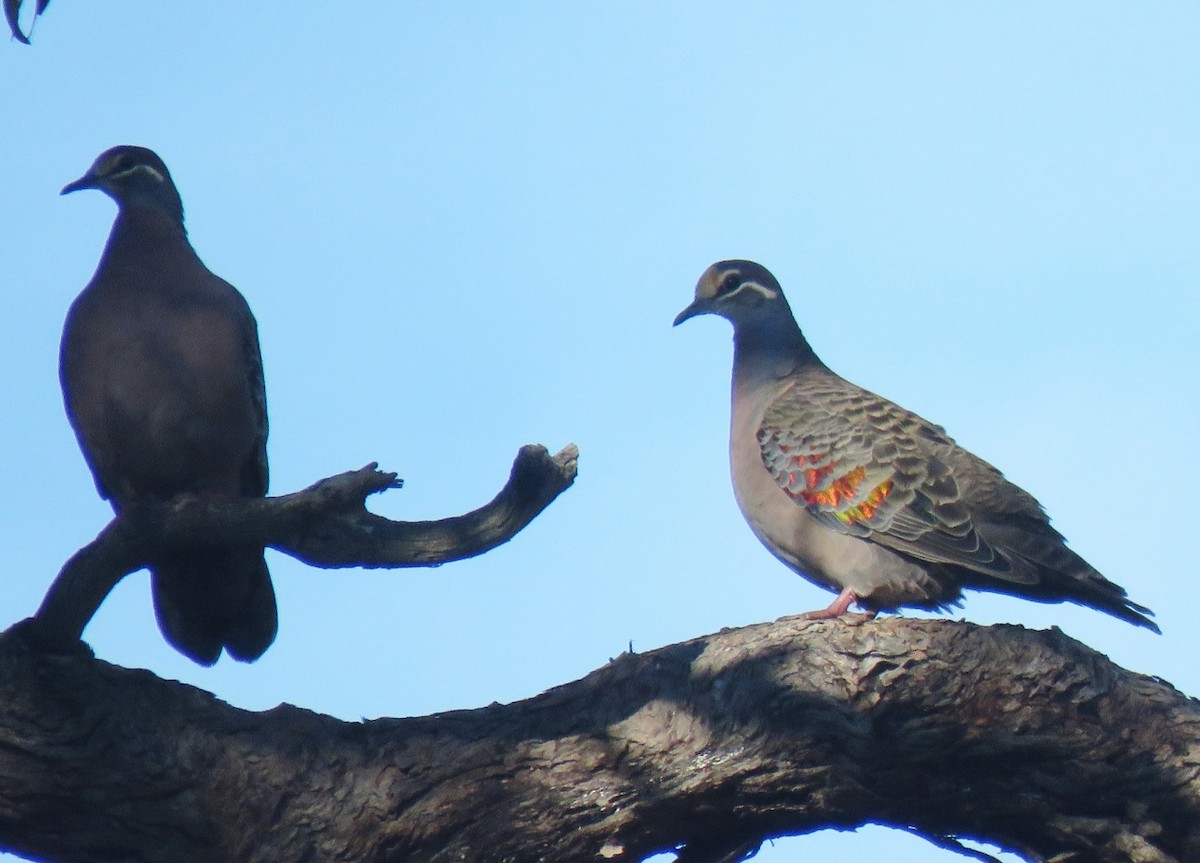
(865, 466)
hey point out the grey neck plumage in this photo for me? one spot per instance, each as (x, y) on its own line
(768, 347)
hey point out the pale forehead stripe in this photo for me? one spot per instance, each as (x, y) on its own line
(158, 178)
(754, 286)
(107, 169)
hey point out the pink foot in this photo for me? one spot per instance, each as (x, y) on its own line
(840, 607)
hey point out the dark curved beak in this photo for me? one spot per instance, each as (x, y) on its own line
(698, 307)
(87, 181)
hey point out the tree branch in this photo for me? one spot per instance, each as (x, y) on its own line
(326, 525)
(1026, 739)
(12, 12)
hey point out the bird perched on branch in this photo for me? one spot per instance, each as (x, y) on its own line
(865, 498)
(163, 384)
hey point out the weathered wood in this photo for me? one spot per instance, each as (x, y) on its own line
(1027, 739)
(325, 525)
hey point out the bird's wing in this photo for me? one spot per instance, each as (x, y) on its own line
(255, 474)
(867, 467)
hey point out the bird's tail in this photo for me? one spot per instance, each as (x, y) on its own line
(209, 599)
(1046, 570)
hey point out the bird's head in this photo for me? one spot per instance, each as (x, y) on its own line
(132, 176)
(741, 291)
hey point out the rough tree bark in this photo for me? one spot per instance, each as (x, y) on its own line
(1024, 738)
(1027, 739)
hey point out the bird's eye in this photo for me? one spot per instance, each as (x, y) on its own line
(729, 283)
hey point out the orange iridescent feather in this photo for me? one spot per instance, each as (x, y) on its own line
(841, 495)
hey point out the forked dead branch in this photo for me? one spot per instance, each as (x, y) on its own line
(326, 525)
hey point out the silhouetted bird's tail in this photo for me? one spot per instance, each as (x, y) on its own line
(209, 599)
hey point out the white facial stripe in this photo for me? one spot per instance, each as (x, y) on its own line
(754, 286)
(158, 178)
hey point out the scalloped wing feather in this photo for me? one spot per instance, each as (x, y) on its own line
(864, 466)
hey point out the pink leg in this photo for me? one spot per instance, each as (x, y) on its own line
(839, 608)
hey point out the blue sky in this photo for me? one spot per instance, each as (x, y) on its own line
(466, 228)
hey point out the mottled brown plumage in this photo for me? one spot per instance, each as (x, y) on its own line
(864, 497)
(163, 384)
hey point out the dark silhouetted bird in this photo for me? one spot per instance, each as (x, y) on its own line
(163, 384)
(868, 499)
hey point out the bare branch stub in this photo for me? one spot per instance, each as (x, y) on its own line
(12, 14)
(326, 525)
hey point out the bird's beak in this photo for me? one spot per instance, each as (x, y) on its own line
(699, 306)
(87, 181)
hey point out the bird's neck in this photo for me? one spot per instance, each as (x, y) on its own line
(143, 229)
(770, 351)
